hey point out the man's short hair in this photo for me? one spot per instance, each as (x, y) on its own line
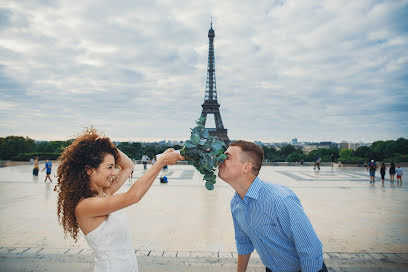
(250, 153)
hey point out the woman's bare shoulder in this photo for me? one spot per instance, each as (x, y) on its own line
(83, 203)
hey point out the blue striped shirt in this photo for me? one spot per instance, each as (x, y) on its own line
(271, 219)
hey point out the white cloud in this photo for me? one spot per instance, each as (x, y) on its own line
(330, 70)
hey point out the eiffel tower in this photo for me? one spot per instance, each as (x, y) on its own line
(210, 105)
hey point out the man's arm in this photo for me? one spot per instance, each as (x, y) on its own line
(243, 262)
(244, 246)
(296, 226)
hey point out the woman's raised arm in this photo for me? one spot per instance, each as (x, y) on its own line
(126, 167)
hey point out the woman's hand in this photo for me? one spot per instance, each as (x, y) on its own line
(169, 157)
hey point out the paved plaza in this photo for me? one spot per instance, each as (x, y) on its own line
(180, 226)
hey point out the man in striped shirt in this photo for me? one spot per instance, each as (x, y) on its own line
(268, 217)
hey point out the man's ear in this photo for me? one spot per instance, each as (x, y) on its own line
(247, 167)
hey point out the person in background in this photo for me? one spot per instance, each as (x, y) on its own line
(392, 172)
(317, 162)
(332, 160)
(145, 159)
(36, 167)
(382, 172)
(399, 175)
(48, 166)
(372, 167)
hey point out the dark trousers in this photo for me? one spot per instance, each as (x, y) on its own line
(324, 269)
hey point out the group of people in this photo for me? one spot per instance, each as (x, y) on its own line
(266, 217)
(372, 168)
(47, 166)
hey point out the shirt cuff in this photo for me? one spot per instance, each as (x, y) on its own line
(312, 265)
(244, 248)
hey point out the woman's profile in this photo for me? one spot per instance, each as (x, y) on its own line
(90, 172)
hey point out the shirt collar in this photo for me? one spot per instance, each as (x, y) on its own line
(253, 190)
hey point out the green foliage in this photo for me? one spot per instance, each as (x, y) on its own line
(137, 150)
(40, 155)
(52, 146)
(294, 157)
(11, 146)
(272, 155)
(364, 152)
(204, 152)
(348, 156)
(324, 153)
(287, 150)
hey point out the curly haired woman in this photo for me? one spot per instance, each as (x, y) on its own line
(87, 183)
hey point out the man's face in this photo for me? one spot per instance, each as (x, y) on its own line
(232, 167)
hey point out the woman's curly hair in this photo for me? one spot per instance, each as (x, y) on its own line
(86, 152)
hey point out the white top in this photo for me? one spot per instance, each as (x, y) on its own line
(112, 244)
(145, 158)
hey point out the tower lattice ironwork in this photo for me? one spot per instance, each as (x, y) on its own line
(210, 105)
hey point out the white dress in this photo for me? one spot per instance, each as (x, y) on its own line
(112, 244)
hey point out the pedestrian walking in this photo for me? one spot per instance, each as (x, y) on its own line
(372, 167)
(145, 159)
(48, 166)
(317, 162)
(399, 175)
(382, 172)
(392, 172)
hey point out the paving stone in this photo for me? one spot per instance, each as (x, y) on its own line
(378, 256)
(142, 253)
(86, 252)
(20, 250)
(6, 250)
(54, 251)
(184, 254)
(171, 254)
(403, 255)
(255, 255)
(363, 256)
(156, 253)
(204, 254)
(393, 257)
(32, 250)
(334, 255)
(225, 254)
(74, 251)
(326, 256)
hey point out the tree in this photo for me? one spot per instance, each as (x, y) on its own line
(132, 150)
(294, 157)
(401, 146)
(378, 150)
(287, 150)
(364, 152)
(11, 146)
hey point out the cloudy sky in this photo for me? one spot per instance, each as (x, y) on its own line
(136, 70)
